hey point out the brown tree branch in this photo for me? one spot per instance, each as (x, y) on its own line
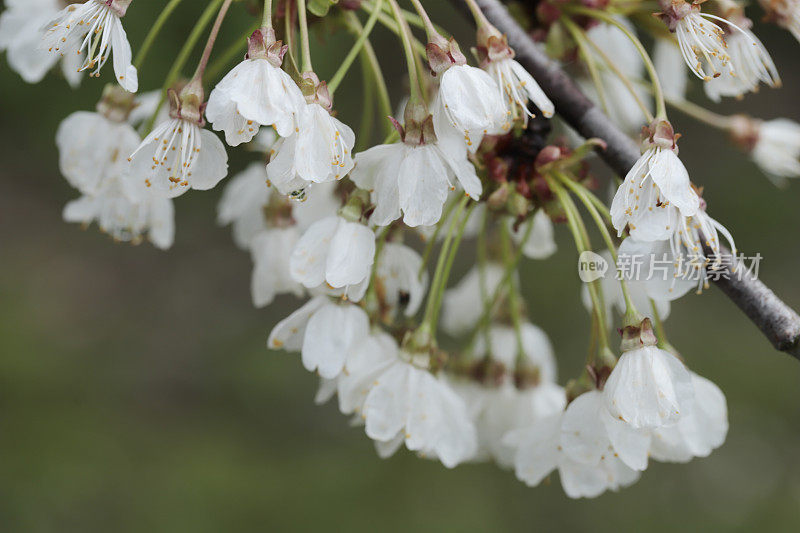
(776, 320)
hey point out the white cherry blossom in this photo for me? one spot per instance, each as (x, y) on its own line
(412, 178)
(786, 13)
(92, 157)
(461, 307)
(324, 332)
(93, 30)
(777, 148)
(516, 84)
(397, 277)
(539, 243)
(405, 403)
(121, 217)
(21, 30)
(93, 148)
(656, 181)
(497, 408)
(366, 361)
(256, 93)
(671, 69)
(589, 434)
(242, 204)
(693, 235)
(270, 251)
(333, 251)
(649, 388)
(179, 154)
(702, 43)
(621, 104)
(247, 194)
(319, 150)
(699, 432)
(589, 449)
(472, 104)
(751, 63)
(507, 408)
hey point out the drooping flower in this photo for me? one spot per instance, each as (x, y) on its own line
(246, 201)
(93, 30)
(459, 310)
(413, 176)
(702, 42)
(94, 146)
(592, 451)
(785, 13)
(671, 69)
(270, 226)
(520, 390)
(539, 243)
(657, 181)
(774, 145)
(366, 361)
(399, 285)
(92, 155)
(256, 93)
(179, 154)
(751, 64)
(616, 95)
(406, 403)
(270, 251)
(282, 222)
(242, 204)
(517, 85)
(496, 410)
(663, 280)
(336, 252)
(689, 255)
(469, 100)
(693, 239)
(20, 33)
(589, 433)
(699, 432)
(319, 150)
(125, 219)
(535, 350)
(325, 332)
(649, 387)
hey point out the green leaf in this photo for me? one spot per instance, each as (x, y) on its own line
(320, 7)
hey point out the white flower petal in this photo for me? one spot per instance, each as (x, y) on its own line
(332, 332)
(309, 257)
(649, 388)
(288, 334)
(351, 254)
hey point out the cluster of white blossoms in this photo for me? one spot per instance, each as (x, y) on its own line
(652, 407)
(369, 236)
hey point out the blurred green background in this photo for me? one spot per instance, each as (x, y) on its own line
(137, 394)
